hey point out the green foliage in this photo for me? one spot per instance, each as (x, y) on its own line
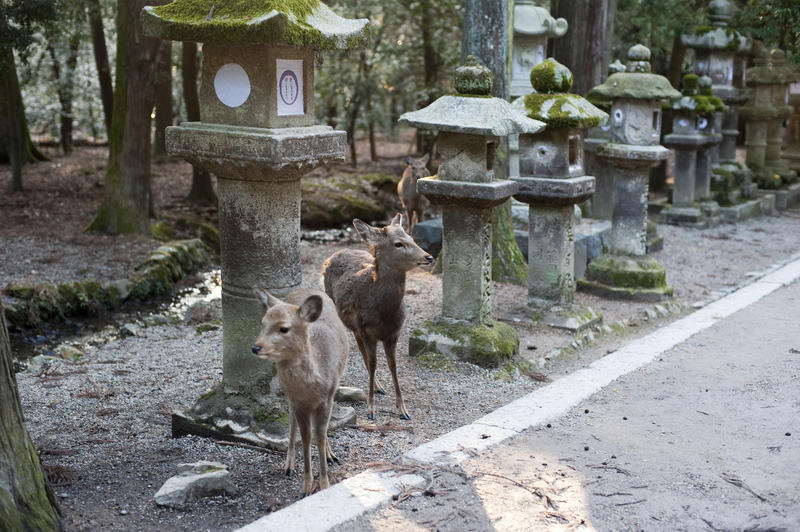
(775, 22)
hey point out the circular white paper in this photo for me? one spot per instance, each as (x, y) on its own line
(232, 85)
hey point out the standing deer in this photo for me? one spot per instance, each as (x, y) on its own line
(368, 290)
(306, 340)
(412, 201)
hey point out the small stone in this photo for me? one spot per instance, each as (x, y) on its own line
(67, 352)
(129, 329)
(348, 394)
(585, 447)
(157, 319)
(203, 311)
(195, 481)
(586, 411)
(123, 512)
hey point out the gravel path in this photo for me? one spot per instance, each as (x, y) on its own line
(104, 421)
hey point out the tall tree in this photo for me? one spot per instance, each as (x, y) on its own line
(26, 500)
(127, 198)
(101, 59)
(18, 18)
(586, 48)
(487, 36)
(202, 189)
(63, 43)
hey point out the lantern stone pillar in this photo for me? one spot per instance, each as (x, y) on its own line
(533, 28)
(635, 119)
(783, 76)
(792, 153)
(257, 135)
(552, 182)
(470, 124)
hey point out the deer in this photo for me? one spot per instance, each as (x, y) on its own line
(305, 339)
(368, 288)
(412, 201)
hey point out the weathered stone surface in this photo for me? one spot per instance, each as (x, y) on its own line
(349, 394)
(533, 26)
(68, 352)
(298, 23)
(624, 277)
(484, 344)
(39, 362)
(195, 481)
(571, 319)
(255, 154)
(555, 191)
(203, 311)
(475, 195)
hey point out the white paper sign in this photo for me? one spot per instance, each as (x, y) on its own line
(290, 87)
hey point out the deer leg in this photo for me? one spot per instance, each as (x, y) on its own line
(363, 351)
(290, 453)
(321, 419)
(389, 347)
(370, 357)
(330, 458)
(305, 435)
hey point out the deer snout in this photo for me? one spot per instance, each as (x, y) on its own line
(429, 258)
(256, 349)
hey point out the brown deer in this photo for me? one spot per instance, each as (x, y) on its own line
(368, 290)
(412, 201)
(306, 340)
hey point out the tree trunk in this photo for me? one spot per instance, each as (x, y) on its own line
(355, 107)
(675, 72)
(26, 500)
(585, 49)
(202, 192)
(65, 84)
(15, 140)
(487, 36)
(163, 84)
(101, 60)
(127, 197)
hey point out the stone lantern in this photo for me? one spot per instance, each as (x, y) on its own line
(692, 122)
(757, 113)
(257, 135)
(635, 119)
(783, 76)
(533, 28)
(717, 48)
(470, 124)
(552, 181)
(792, 152)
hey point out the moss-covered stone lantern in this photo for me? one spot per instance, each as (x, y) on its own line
(758, 112)
(783, 76)
(792, 152)
(257, 135)
(552, 181)
(469, 125)
(533, 27)
(716, 49)
(635, 119)
(692, 133)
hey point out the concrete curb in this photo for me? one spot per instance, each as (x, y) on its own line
(370, 490)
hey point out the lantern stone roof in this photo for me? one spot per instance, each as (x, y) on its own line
(298, 23)
(762, 72)
(637, 82)
(473, 111)
(533, 20)
(697, 97)
(553, 104)
(718, 36)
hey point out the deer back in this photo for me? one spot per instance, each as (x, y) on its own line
(407, 186)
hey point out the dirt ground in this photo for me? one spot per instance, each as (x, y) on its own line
(102, 425)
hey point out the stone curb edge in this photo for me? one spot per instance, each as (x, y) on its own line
(371, 489)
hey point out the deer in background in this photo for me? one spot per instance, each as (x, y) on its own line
(368, 290)
(306, 340)
(412, 201)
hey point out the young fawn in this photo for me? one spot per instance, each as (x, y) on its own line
(368, 290)
(306, 340)
(412, 201)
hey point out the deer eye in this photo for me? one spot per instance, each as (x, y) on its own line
(284, 330)
(398, 244)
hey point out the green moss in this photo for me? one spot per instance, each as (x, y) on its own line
(162, 231)
(434, 360)
(628, 272)
(205, 327)
(486, 345)
(467, 95)
(563, 111)
(473, 78)
(550, 76)
(633, 85)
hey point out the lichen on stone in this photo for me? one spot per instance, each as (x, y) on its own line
(563, 111)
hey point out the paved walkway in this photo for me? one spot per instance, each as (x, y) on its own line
(694, 427)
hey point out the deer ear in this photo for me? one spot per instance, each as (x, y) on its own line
(409, 160)
(267, 300)
(397, 220)
(370, 234)
(426, 158)
(311, 308)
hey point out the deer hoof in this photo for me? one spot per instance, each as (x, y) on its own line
(405, 416)
(333, 460)
(289, 473)
(371, 416)
(381, 391)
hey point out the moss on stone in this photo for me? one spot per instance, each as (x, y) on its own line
(563, 111)
(550, 76)
(434, 360)
(633, 85)
(485, 344)
(162, 231)
(472, 78)
(628, 272)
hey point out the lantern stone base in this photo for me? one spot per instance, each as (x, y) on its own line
(252, 418)
(785, 197)
(626, 277)
(485, 344)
